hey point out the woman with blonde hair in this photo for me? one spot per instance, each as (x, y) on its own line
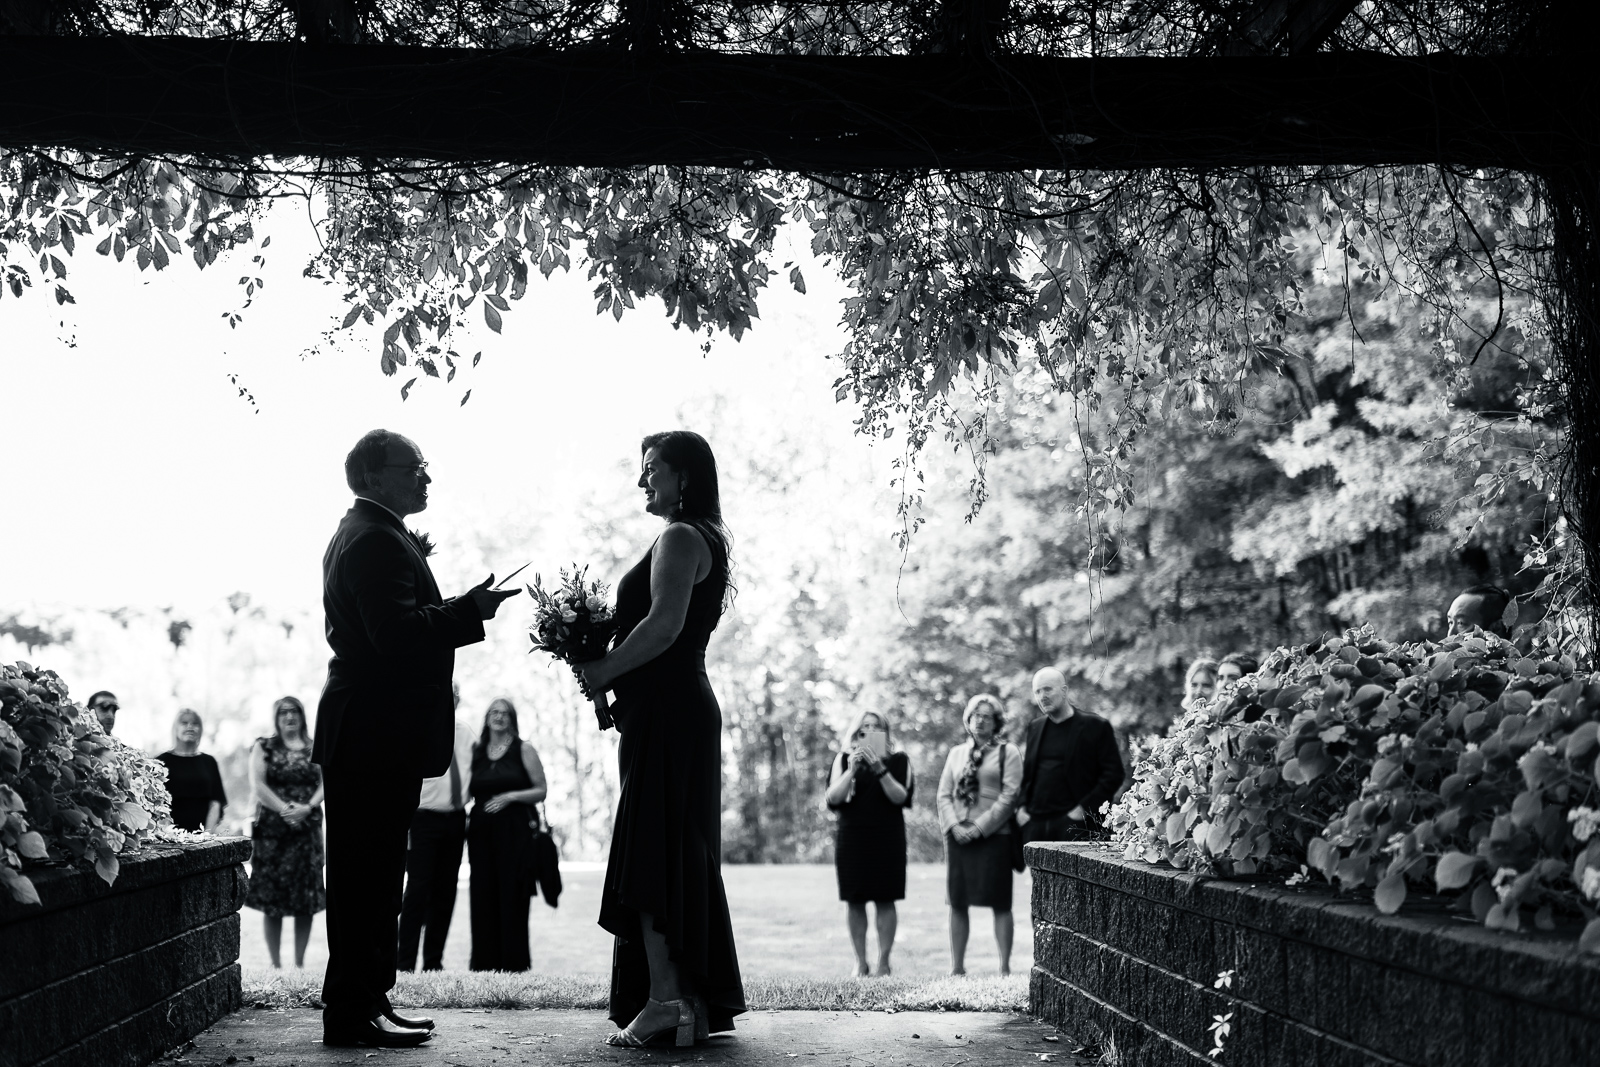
(193, 780)
(871, 787)
(1200, 682)
(977, 795)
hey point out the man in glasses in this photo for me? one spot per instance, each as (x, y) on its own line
(105, 707)
(386, 721)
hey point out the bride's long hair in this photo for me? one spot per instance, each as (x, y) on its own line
(701, 505)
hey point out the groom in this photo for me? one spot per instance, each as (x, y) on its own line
(385, 722)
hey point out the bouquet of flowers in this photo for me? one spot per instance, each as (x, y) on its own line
(574, 623)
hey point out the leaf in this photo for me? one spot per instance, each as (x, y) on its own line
(1320, 856)
(797, 280)
(464, 398)
(1455, 870)
(21, 886)
(1391, 893)
(491, 316)
(1588, 941)
(1511, 614)
(64, 297)
(350, 317)
(107, 866)
(31, 846)
(405, 390)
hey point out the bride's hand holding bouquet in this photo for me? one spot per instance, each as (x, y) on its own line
(574, 623)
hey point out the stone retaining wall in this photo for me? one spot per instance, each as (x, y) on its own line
(113, 976)
(1127, 953)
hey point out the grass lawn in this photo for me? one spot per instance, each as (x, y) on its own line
(794, 950)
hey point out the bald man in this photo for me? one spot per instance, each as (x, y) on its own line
(1071, 766)
(1481, 606)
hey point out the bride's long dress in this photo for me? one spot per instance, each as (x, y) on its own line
(666, 847)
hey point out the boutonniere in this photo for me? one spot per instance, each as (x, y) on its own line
(424, 545)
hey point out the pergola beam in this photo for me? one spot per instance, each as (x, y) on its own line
(807, 113)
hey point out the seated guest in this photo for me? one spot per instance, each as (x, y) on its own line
(977, 794)
(286, 870)
(192, 777)
(104, 705)
(507, 783)
(1200, 683)
(1235, 665)
(1482, 606)
(870, 791)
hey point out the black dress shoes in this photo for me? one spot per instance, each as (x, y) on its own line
(410, 1024)
(378, 1032)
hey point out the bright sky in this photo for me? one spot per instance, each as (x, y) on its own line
(136, 474)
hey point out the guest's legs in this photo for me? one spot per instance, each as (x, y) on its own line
(272, 927)
(888, 922)
(1003, 931)
(856, 919)
(485, 916)
(419, 886)
(960, 928)
(302, 938)
(442, 900)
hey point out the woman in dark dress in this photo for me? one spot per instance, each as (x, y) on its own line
(192, 777)
(286, 868)
(871, 794)
(507, 781)
(674, 970)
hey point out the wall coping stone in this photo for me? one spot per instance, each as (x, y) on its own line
(1541, 969)
(67, 887)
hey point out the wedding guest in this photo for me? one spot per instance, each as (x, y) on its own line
(507, 782)
(676, 972)
(105, 707)
(286, 868)
(1481, 606)
(1235, 665)
(871, 793)
(977, 795)
(1199, 682)
(385, 722)
(192, 777)
(433, 857)
(1071, 767)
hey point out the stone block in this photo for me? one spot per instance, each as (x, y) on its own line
(1321, 980)
(93, 928)
(54, 1016)
(164, 1025)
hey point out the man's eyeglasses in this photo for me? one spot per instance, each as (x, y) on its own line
(417, 469)
(105, 707)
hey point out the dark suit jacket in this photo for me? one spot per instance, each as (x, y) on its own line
(1094, 765)
(393, 639)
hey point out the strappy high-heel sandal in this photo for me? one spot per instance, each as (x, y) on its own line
(627, 1037)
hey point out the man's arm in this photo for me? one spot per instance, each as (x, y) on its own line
(379, 572)
(1108, 761)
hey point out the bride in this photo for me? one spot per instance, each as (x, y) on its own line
(674, 971)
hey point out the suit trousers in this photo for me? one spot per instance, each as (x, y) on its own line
(371, 791)
(433, 866)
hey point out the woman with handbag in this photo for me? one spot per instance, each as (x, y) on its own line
(977, 795)
(507, 782)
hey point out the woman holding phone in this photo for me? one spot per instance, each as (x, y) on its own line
(870, 787)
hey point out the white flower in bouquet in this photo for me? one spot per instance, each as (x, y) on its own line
(597, 607)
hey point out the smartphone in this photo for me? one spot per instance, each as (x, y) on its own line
(877, 741)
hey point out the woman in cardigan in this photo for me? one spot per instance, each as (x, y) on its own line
(871, 791)
(977, 794)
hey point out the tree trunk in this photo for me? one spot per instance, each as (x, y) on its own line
(1572, 306)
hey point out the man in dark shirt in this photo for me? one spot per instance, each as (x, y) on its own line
(1071, 767)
